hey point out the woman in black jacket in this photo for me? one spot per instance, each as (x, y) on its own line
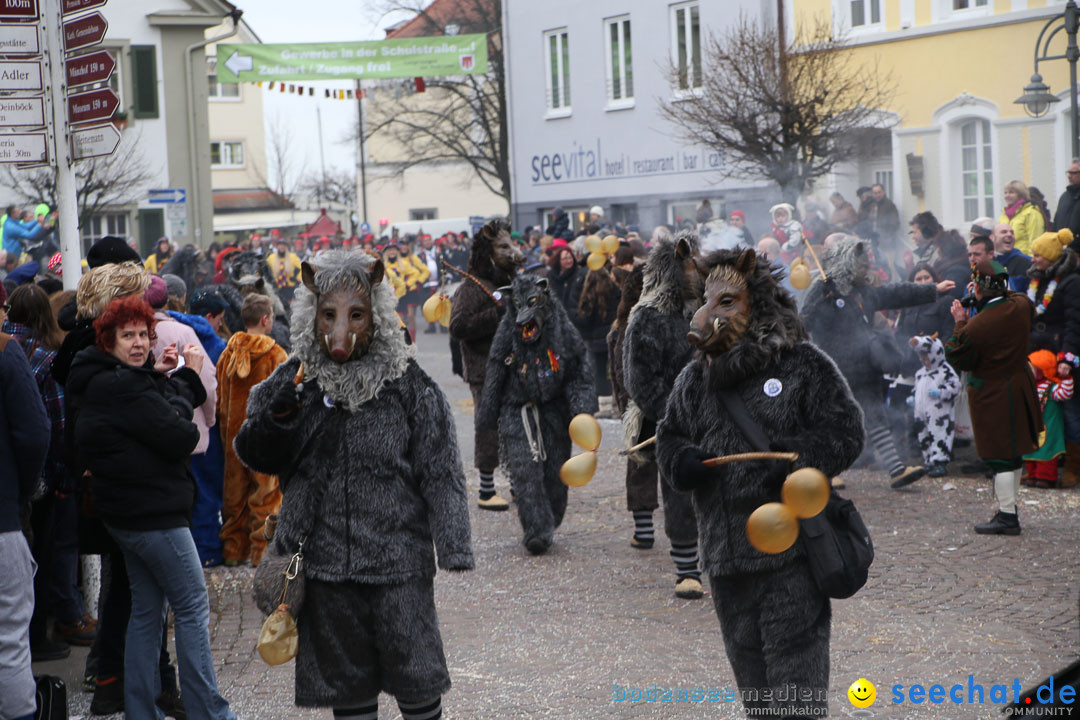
(135, 435)
(595, 313)
(929, 319)
(565, 278)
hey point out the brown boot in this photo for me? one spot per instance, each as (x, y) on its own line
(1071, 471)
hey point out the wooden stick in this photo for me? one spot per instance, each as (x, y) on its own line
(816, 261)
(639, 446)
(748, 457)
(464, 274)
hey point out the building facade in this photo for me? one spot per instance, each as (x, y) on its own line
(587, 81)
(954, 136)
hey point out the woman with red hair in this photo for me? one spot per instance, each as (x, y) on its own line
(135, 433)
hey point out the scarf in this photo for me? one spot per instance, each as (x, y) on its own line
(1011, 211)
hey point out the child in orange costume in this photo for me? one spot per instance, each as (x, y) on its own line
(249, 497)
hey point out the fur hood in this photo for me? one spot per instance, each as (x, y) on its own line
(245, 350)
(839, 263)
(662, 285)
(1064, 266)
(355, 382)
(775, 326)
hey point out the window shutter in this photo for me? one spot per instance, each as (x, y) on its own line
(151, 227)
(144, 78)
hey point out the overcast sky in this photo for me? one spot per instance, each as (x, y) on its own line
(289, 21)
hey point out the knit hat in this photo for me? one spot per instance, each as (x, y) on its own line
(207, 302)
(1045, 361)
(176, 286)
(739, 214)
(157, 294)
(980, 231)
(990, 275)
(110, 250)
(596, 210)
(1050, 244)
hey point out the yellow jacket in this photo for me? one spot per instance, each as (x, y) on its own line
(394, 271)
(410, 271)
(153, 265)
(292, 269)
(1027, 224)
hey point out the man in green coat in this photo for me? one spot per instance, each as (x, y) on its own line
(993, 348)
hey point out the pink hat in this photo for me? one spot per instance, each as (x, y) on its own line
(559, 242)
(157, 294)
(739, 214)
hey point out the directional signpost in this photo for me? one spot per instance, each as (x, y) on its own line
(96, 141)
(22, 112)
(74, 6)
(92, 68)
(19, 40)
(20, 75)
(19, 9)
(169, 195)
(23, 148)
(93, 105)
(86, 31)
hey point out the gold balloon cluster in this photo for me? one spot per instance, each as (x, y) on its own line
(599, 250)
(437, 308)
(774, 527)
(585, 433)
(799, 272)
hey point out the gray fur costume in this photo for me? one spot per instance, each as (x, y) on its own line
(550, 378)
(655, 350)
(249, 272)
(774, 619)
(374, 437)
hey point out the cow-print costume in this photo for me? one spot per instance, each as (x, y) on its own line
(935, 417)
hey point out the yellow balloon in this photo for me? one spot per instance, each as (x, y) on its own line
(578, 470)
(445, 306)
(806, 492)
(585, 432)
(772, 528)
(431, 308)
(610, 244)
(800, 276)
(596, 260)
(594, 244)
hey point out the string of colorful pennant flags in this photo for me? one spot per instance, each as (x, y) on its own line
(397, 90)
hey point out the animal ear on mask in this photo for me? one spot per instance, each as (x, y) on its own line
(747, 262)
(376, 273)
(505, 291)
(683, 249)
(307, 276)
(542, 283)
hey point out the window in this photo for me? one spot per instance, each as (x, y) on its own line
(969, 4)
(227, 154)
(97, 226)
(220, 90)
(865, 12)
(620, 69)
(144, 79)
(557, 46)
(976, 169)
(686, 46)
(423, 213)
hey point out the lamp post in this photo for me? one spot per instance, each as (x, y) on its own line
(1037, 97)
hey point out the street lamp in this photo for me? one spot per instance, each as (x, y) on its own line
(1037, 97)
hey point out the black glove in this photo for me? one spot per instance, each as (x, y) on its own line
(779, 469)
(692, 473)
(286, 402)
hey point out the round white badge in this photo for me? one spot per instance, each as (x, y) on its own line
(839, 302)
(497, 295)
(773, 387)
(327, 401)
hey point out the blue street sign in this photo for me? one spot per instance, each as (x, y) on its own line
(365, 228)
(168, 196)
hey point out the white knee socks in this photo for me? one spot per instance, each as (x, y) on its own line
(1006, 488)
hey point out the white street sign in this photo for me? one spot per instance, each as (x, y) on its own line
(22, 148)
(19, 40)
(20, 75)
(238, 63)
(94, 141)
(177, 214)
(22, 112)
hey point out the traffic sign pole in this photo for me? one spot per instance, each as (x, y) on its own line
(68, 208)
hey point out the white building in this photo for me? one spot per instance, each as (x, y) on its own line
(586, 81)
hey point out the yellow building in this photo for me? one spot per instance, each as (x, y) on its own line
(959, 65)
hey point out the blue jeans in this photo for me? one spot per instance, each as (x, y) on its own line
(209, 471)
(164, 565)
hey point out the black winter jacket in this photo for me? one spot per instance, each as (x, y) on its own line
(1067, 214)
(1057, 328)
(594, 327)
(135, 435)
(567, 286)
(928, 319)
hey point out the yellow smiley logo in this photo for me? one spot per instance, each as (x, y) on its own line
(862, 693)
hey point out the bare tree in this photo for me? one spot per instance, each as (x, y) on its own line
(100, 183)
(285, 174)
(459, 119)
(779, 111)
(336, 186)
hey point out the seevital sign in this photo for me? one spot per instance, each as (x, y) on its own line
(405, 58)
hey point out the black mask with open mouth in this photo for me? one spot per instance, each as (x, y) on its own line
(530, 309)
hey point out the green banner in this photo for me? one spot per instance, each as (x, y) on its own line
(408, 57)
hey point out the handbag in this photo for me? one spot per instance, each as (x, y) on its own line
(837, 543)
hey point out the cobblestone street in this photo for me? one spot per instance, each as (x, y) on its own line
(549, 637)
